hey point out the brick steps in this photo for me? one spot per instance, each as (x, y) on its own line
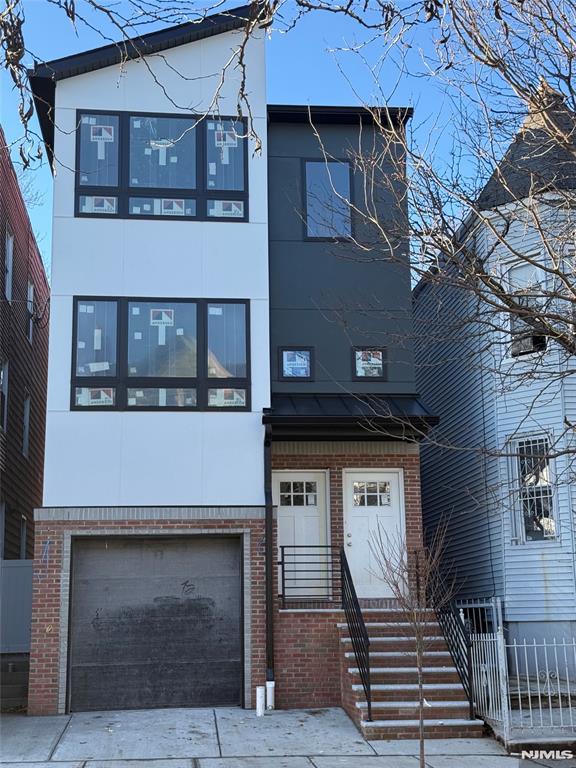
(394, 682)
(433, 729)
(432, 691)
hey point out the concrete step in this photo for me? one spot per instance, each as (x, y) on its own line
(393, 628)
(404, 658)
(432, 691)
(432, 643)
(398, 676)
(433, 729)
(392, 614)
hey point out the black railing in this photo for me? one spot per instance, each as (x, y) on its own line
(309, 574)
(459, 645)
(356, 628)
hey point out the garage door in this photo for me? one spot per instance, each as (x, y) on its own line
(155, 622)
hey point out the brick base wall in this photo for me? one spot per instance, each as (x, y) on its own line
(309, 666)
(48, 652)
(307, 659)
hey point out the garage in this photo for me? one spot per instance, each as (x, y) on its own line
(155, 622)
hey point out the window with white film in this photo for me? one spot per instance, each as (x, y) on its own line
(30, 311)
(535, 491)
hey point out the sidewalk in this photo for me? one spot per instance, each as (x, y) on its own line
(226, 738)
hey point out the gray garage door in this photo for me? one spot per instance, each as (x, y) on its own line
(155, 623)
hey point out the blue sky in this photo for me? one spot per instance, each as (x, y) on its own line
(302, 69)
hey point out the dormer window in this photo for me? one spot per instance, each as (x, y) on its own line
(161, 167)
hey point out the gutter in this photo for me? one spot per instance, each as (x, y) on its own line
(270, 604)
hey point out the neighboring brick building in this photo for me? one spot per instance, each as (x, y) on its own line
(24, 309)
(24, 296)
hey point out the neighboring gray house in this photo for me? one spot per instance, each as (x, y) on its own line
(499, 472)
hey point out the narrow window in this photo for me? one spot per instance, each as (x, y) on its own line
(328, 200)
(4, 395)
(535, 489)
(23, 537)
(30, 311)
(26, 426)
(8, 264)
(526, 282)
(98, 151)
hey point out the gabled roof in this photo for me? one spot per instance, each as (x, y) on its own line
(44, 76)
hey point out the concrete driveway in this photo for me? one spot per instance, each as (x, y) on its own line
(225, 738)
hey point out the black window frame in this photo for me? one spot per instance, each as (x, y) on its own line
(366, 348)
(123, 191)
(337, 238)
(121, 382)
(301, 348)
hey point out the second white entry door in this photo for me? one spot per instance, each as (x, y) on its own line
(300, 498)
(373, 501)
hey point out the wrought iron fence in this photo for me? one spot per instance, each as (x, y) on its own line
(460, 646)
(525, 689)
(309, 574)
(357, 629)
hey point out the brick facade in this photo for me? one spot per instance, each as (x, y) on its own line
(307, 649)
(48, 654)
(21, 476)
(308, 657)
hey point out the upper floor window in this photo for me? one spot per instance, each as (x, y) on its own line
(26, 425)
(161, 354)
(8, 263)
(3, 394)
(161, 166)
(368, 363)
(535, 488)
(328, 200)
(30, 311)
(526, 281)
(296, 363)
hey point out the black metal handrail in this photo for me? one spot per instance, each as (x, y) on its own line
(357, 628)
(460, 647)
(309, 573)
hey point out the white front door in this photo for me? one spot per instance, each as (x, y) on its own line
(373, 501)
(300, 498)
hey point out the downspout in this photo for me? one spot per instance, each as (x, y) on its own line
(270, 602)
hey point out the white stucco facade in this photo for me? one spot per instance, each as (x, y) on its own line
(158, 458)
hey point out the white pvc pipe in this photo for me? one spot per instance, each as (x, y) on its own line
(270, 685)
(260, 700)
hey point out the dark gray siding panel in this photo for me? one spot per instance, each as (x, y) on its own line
(155, 623)
(332, 296)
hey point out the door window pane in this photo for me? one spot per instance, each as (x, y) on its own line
(162, 339)
(99, 150)
(225, 155)
(162, 153)
(157, 397)
(96, 338)
(327, 199)
(227, 341)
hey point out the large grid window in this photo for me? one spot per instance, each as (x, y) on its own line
(150, 354)
(161, 167)
(535, 488)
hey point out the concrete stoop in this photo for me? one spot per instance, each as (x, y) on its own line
(394, 682)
